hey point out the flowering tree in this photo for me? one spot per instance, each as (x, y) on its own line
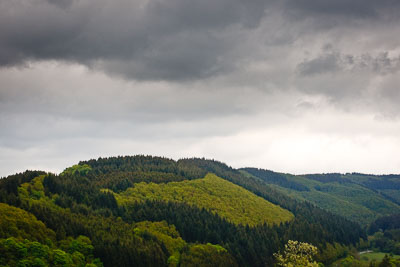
(297, 254)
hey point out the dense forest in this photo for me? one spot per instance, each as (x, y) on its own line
(361, 198)
(385, 233)
(154, 211)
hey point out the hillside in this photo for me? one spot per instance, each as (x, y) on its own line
(20, 224)
(221, 197)
(360, 198)
(154, 211)
(26, 241)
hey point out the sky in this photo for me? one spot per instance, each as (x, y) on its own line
(300, 86)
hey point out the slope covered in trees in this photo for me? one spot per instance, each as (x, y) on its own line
(18, 223)
(155, 232)
(360, 198)
(212, 193)
(26, 241)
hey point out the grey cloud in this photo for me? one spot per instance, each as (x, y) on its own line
(340, 9)
(329, 62)
(382, 63)
(150, 40)
(61, 3)
(312, 17)
(367, 81)
(252, 45)
(67, 94)
(167, 40)
(171, 59)
(322, 64)
(212, 73)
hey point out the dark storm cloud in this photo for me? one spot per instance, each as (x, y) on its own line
(177, 39)
(163, 40)
(259, 44)
(281, 80)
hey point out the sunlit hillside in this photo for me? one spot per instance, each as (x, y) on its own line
(230, 201)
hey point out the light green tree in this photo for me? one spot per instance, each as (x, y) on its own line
(297, 254)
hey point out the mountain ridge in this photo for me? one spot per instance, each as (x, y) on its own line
(361, 200)
(81, 201)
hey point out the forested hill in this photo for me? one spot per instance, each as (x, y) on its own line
(361, 198)
(154, 211)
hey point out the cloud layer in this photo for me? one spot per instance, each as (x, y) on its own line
(178, 39)
(282, 81)
(150, 40)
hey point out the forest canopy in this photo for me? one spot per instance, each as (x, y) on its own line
(154, 211)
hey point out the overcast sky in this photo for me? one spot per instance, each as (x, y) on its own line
(299, 86)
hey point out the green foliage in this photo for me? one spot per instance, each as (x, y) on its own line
(369, 260)
(307, 217)
(377, 256)
(33, 189)
(120, 181)
(15, 222)
(9, 186)
(388, 241)
(113, 240)
(182, 253)
(385, 223)
(352, 196)
(78, 169)
(159, 233)
(385, 233)
(349, 261)
(81, 245)
(331, 253)
(144, 164)
(207, 255)
(32, 253)
(219, 196)
(280, 179)
(389, 261)
(79, 189)
(165, 233)
(174, 260)
(251, 246)
(297, 254)
(116, 242)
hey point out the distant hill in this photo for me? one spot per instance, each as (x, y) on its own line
(358, 197)
(154, 211)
